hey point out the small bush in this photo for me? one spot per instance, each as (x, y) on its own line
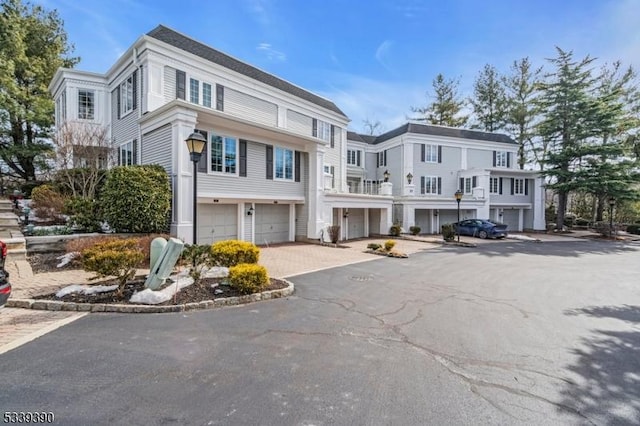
(448, 232)
(78, 245)
(41, 231)
(395, 230)
(569, 220)
(334, 233)
(48, 204)
(233, 252)
(633, 229)
(604, 229)
(581, 222)
(373, 246)
(196, 257)
(85, 214)
(115, 257)
(248, 278)
(415, 230)
(389, 244)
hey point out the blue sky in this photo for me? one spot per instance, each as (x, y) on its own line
(374, 58)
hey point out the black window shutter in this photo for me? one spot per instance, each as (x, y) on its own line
(494, 158)
(333, 136)
(526, 187)
(314, 128)
(474, 181)
(439, 153)
(243, 158)
(513, 185)
(358, 162)
(422, 152)
(422, 184)
(135, 152)
(296, 159)
(219, 97)
(333, 177)
(461, 184)
(385, 157)
(181, 84)
(119, 154)
(118, 101)
(135, 89)
(202, 164)
(500, 185)
(377, 159)
(508, 159)
(439, 185)
(270, 162)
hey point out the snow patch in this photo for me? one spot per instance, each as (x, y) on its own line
(215, 272)
(151, 297)
(522, 237)
(66, 258)
(85, 289)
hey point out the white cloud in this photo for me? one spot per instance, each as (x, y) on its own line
(258, 8)
(271, 53)
(382, 52)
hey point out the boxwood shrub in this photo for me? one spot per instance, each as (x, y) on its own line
(113, 257)
(248, 278)
(233, 252)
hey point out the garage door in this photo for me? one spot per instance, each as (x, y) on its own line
(449, 216)
(217, 222)
(272, 223)
(511, 219)
(356, 223)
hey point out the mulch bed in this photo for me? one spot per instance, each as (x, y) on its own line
(205, 290)
(46, 262)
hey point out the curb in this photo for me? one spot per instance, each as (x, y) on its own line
(54, 305)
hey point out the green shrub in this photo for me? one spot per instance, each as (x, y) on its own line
(248, 278)
(114, 257)
(415, 230)
(395, 230)
(41, 231)
(373, 246)
(233, 252)
(84, 213)
(633, 229)
(48, 204)
(196, 257)
(334, 233)
(137, 199)
(389, 244)
(581, 222)
(448, 233)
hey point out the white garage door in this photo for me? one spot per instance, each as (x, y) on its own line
(356, 223)
(511, 218)
(272, 223)
(217, 222)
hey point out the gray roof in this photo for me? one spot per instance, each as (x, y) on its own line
(426, 129)
(190, 45)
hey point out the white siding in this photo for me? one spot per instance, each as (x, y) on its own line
(156, 147)
(299, 123)
(250, 107)
(169, 84)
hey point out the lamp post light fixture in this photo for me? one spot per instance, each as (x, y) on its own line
(195, 143)
(612, 203)
(250, 211)
(458, 196)
(386, 175)
(409, 178)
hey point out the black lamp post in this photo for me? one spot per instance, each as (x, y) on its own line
(612, 203)
(458, 196)
(195, 143)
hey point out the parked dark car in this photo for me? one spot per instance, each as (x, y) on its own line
(481, 228)
(5, 286)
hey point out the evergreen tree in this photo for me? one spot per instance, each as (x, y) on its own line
(569, 118)
(33, 44)
(521, 93)
(489, 100)
(447, 105)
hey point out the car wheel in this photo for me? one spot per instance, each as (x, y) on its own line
(482, 234)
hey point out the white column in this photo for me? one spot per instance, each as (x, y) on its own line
(408, 217)
(316, 221)
(385, 220)
(366, 222)
(292, 222)
(538, 205)
(241, 214)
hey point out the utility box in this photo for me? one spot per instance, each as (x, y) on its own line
(163, 266)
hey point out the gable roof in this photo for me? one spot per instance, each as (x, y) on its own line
(190, 45)
(427, 129)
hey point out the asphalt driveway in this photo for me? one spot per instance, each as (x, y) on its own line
(511, 333)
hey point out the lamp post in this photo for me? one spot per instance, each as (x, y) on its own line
(409, 178)
(458, 196)
(386, 175)
(612, 203)
(195, 143)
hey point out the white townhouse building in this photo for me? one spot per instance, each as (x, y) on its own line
(276, 165)
(427, 164)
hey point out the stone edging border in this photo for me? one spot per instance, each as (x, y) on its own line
(54, 305)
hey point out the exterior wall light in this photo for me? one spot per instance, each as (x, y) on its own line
(409, 178)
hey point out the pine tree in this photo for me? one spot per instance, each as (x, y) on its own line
(521, 93)
(33, 45)
(447, 105)
(489, 100)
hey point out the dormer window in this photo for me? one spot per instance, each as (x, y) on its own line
(127, 95)
(86, 104)
(501, 159)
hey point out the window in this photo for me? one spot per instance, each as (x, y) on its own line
(494, 185)
(324, 131)
(430, 154)
(126, 96)
(125, 156)
(284, 164)
(467, 185)
(194, 91)
(206, 95)
(86, 104)
(382, 158)
(353, 157)
(502, 159)
(223, 152)
(518, 187)
(327, 169)
(429, 185)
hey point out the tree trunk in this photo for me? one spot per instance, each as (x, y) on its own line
(600, 208)
(562, 208)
